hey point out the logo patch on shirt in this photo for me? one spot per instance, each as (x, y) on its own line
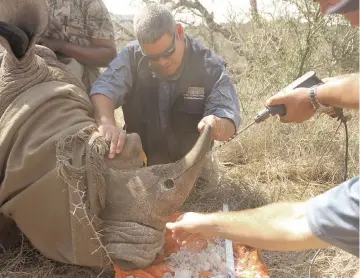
(194, 93)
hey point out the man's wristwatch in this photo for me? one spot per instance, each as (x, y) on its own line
(318, 107)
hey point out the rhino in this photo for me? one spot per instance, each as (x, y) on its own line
(74, 204)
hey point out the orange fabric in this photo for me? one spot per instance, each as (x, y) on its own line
(144, 158)
(247, 260)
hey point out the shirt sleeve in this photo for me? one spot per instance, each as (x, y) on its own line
(334, 216)
(116, 81)
(98, 22)
(223, 100)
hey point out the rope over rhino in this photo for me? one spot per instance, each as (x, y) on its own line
(75, 205)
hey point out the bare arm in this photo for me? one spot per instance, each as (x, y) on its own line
(100, 54)
(226, 129)
(103, 110)
(223, 128)
(281, 227)
(105, 120)
(102, 50)
(97, 28)
(107, 93)
(341, 92)
(327, 79)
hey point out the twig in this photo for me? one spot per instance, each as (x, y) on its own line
(90, 220)
(312, 262)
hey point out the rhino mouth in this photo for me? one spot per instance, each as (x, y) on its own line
(132, 245)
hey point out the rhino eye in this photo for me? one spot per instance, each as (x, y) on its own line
(169, 184)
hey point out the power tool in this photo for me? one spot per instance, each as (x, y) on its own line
(307, 80)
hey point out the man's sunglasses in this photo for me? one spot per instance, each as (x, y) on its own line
(167, 53)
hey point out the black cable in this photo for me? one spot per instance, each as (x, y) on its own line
(344, 121)
(321, 157)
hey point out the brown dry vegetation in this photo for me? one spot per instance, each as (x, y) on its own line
(280, 162)
(270, 162)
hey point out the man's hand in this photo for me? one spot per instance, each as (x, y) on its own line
(116, 136)
(53, 44)
(297, 103)
(212, 121)
(189, 227)
(222, 128)
(105, 120)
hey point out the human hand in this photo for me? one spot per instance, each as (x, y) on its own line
(189, 227)
(217, 127)
(116, 136)
(297, 103)
(53, 44)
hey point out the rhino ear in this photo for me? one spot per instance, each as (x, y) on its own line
(31, 16)
(21, 21)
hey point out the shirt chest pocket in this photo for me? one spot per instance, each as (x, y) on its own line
(192, 101)
(185, 118)
(193, 106)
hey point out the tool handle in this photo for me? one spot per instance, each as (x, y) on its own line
(306, 81)
(277, 109)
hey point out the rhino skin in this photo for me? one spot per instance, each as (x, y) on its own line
(74, 204)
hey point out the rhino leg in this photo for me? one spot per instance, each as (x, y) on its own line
(10, 234)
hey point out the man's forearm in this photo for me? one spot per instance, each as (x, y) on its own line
(103, 110)
(225, 129)
(333, 78)
(97, 56)
(281, 227)
(340, 92)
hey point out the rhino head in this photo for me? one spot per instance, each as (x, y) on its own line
(139, 200)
